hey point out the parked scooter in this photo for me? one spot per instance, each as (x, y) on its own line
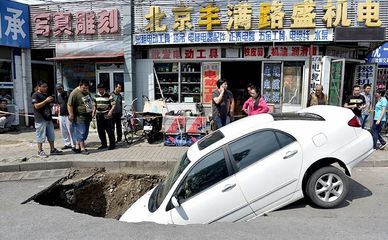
(152, 125)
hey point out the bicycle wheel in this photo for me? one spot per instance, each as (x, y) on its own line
(127, 131)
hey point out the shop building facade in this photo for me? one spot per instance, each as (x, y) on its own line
(83, 40)
(285, 48)
(14, 61)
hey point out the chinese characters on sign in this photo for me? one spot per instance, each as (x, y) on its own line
(209, 17)
(210, 74)
(365, 73)
(340, 13)
(14, 24)
(316, 72)
(270, 14)
(271, 82)
(303, 15)
(86, 23)
(284, 35)
(283, 51)
(187, 53)
(201, 53)
(164, 53)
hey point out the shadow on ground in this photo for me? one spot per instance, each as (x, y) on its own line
(356, 191)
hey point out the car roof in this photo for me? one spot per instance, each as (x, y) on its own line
(280, 121)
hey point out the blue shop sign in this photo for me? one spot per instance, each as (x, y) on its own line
(270, 36)
(14, 24)
(379, 55)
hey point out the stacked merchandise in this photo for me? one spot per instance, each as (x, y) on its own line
(195, 129)
(182, 130)
(174, 130)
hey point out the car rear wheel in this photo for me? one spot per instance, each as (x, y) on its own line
(327, 187)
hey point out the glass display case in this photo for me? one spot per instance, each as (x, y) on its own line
(179, 81)
(190, 82)
(168, 75)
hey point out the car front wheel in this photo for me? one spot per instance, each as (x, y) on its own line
(327, 187)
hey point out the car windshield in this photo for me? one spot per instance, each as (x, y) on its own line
(164, 187)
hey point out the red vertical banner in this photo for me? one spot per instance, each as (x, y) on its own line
(211, 72)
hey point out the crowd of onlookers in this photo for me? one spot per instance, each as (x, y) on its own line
(76, 110)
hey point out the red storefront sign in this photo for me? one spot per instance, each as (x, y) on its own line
(85, 23)
(279, 51)
(210, 74)
(164, 53)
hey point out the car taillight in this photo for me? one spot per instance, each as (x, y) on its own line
(354, 122)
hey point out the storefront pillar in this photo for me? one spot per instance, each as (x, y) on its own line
(129, 68)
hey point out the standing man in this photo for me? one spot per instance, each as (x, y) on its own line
(222, 104)
(63, 116)
(80, 108)
(356, 102)
(379, 119)
(103, 111)
(118, 111)
(317, 97)
(43, 119)
(368, 104)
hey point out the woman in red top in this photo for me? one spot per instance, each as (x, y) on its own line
(256, 103)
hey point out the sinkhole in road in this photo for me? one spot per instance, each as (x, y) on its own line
(97, 192)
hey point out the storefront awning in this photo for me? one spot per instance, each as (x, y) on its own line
(88, 50)
(379, 56)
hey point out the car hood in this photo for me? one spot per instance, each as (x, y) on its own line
(138, 212)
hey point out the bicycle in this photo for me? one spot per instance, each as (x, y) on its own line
(131, 124)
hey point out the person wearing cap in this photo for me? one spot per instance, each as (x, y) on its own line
(104, 106)
(63, 117)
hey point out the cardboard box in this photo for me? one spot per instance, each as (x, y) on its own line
(174, 124)
(175, 140)
(191, 139)
(195, 124)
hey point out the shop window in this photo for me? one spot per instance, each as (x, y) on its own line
(6, 84)
(5, 71)
(179, 82)
(168, 76)
(190, 82)
(73, 73)
(292, 82)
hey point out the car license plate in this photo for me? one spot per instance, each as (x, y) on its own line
(147, 128)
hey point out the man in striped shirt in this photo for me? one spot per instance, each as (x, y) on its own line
(103, 111)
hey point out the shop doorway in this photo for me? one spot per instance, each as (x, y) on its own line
(239, 75)
(109, 74)
(341, 82)
(109, 79)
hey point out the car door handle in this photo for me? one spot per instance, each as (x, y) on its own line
(290, 154)
(228, 187)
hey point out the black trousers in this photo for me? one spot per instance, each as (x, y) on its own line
(105, 125)
(117, 123)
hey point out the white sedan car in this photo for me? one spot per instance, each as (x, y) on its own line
(258, 164)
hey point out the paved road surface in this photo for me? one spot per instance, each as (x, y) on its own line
(364, 216)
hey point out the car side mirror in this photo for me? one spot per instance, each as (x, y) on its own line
(175, 201)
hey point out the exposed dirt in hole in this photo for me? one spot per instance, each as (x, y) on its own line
(97, 192)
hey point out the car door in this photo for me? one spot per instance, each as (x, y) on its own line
(209, 193)
(268, 165)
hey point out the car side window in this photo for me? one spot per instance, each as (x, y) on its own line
(205, 174)
(253, 148)
(284, 139)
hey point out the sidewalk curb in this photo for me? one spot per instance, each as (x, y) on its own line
(146, 165)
